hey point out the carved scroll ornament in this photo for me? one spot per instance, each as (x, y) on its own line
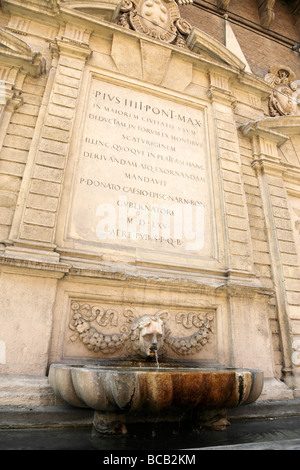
(284, 99)
(159, 19)
(196, 341)
(86, 319)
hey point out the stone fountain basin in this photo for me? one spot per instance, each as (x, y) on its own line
(122, 388)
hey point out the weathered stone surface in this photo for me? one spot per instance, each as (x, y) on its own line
(121, 390)
(175, 122)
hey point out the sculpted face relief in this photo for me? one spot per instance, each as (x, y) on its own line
(151, 337)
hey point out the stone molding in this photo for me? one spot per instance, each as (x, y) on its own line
(17, 60)
(200, 42)
(48, 7)
(13, 49)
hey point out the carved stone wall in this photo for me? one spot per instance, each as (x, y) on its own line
(108, 330)
(97, 106)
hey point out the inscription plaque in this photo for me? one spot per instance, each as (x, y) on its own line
(142, 178)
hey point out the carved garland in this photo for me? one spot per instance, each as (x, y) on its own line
(194, 343)
(83, 315)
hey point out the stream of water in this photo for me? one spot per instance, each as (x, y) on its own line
(156, 358)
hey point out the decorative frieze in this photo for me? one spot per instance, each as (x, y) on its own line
(91, 325)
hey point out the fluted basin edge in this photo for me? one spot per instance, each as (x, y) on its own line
(128, 389)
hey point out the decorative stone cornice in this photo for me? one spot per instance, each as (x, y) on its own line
(287, 125)
(70, 48)
(10, 96)
(29, 267)
(15, 52)
(50, 7)
(266, 136)
(107, 10)
(219, 90)
(200, 42)
(265, 143)
(257, 129)
(221, 96)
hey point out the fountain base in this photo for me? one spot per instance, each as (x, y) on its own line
(117, 391)
(107, 422)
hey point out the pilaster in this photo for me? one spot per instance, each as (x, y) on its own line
(237, 230)
(19, 64)
(270, 173)
(33, 230)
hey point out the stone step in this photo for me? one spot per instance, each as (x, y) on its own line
(25, 391)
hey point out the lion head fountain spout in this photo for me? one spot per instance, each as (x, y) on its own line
(147, 336)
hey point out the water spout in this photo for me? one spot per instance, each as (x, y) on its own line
(153, 353)
(147, 336)
(156, 358)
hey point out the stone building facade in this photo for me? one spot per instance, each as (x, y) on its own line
(113, 115)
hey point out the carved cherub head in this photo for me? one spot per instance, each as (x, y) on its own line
(147, 335)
